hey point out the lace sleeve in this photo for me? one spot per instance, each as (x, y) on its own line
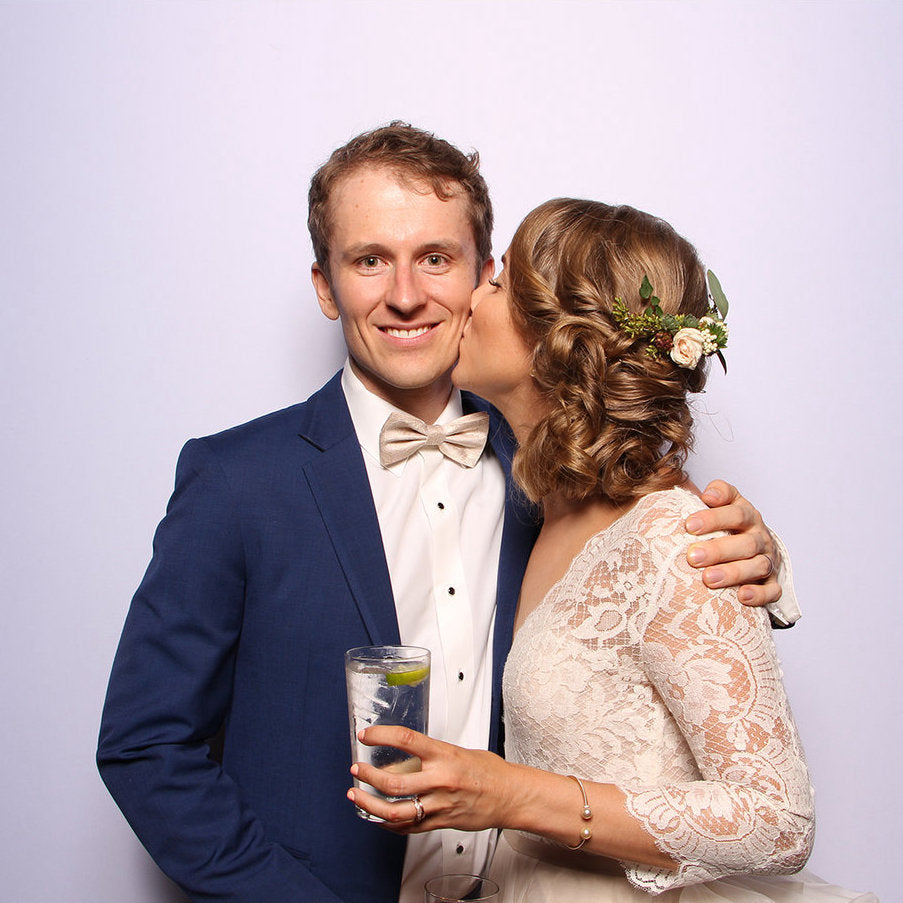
(714, 664)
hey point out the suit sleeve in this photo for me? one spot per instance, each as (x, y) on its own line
(169, 692)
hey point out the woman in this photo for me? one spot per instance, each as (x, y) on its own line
(649, 743)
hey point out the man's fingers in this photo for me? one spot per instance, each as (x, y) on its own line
(742, 573)
(718, 492)
(758, 594)
(731, 518)
(737, 548)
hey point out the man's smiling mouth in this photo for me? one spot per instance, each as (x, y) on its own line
(406, 333)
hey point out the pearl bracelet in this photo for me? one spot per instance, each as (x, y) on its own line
(587, 814)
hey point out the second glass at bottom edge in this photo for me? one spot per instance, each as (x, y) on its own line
(460, 889)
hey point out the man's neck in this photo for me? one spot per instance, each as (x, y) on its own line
(425, 402)
(427, 407)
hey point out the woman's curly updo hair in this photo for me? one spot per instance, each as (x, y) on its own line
(618, 422)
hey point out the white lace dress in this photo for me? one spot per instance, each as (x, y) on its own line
(630, 671)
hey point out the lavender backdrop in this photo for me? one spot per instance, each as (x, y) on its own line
(154, 160)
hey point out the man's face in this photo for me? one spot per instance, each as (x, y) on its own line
(403, 264)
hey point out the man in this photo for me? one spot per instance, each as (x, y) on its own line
(287, 541)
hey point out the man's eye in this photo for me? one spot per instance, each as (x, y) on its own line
(370, 261)
(435, 260)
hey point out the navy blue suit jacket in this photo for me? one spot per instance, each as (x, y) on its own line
(267, 566)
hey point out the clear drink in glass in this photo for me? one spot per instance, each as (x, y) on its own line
(386, 685)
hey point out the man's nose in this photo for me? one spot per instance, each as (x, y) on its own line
(405, 292)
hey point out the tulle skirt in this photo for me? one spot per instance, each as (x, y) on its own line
(526, 879)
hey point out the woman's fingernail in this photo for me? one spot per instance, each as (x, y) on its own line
(694, 524)
(695, 556)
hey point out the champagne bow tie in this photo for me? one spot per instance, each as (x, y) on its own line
(461, 441)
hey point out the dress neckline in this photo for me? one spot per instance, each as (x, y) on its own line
(592, 541)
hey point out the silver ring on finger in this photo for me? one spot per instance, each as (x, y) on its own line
(770, 570)
(419, 814)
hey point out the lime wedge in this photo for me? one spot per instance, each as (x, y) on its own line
(408, 678)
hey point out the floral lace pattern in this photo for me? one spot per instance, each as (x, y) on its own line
(632, 672)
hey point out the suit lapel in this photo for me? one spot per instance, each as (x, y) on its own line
(337, 478)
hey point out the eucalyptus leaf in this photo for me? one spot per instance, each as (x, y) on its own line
(646, 288)
(718, 297)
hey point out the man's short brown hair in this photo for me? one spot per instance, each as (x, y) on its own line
(413, 155)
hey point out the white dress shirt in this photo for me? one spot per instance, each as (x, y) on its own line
(441, 527)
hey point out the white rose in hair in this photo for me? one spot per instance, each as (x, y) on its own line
(688, 347)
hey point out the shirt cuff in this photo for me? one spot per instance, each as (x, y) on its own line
(786, 611)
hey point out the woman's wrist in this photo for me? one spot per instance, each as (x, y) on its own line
(543, 803)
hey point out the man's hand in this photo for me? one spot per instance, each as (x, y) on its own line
(747, 558)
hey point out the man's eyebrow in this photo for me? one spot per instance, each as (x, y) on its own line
(365, 249)
(448, 246)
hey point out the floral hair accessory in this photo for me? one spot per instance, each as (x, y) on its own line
(684, 338)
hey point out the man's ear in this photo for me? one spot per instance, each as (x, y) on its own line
(324, 292)
(486, 271)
